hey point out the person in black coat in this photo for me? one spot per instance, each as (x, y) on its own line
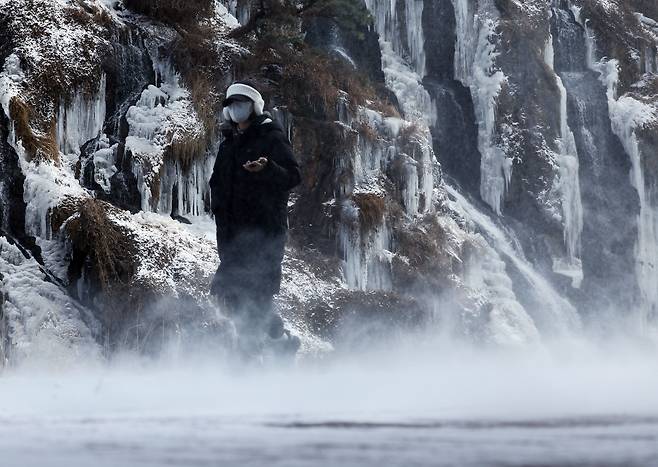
(250, 185)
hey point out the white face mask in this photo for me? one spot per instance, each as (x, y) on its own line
(240, 111)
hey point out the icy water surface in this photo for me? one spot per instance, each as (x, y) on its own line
(444, 406)
(299, 441)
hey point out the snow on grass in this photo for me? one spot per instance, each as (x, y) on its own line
(43, 322)
(172, 259)
(49, 38)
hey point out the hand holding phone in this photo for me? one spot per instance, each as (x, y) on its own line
(256, 166)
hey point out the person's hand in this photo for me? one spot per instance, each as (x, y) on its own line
(256, 166)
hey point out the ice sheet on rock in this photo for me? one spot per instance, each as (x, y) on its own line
(475, 55)
(404, 35)
(239, 10)
(628, 114)
(404, 77)
(227, 15)
(508, 322)
(43, 323)
(568, 185)
(46, 186)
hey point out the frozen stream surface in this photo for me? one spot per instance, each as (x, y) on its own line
(453, 406)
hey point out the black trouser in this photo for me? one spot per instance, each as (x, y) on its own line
(253, 315)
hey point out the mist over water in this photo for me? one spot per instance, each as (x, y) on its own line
(466, 404)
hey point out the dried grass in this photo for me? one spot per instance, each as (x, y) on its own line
(309, 81)
(105, 246)
(372, 208)
(37, 146)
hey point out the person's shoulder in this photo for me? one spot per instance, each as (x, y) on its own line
(273, 129)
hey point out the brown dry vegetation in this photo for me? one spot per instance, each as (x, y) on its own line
(200, 65)
(375, 313)
(187, 149)
(88, 14)
(38, 146)
(429, 265)
(372, 208)
(106, 246)
(309, 81)
(366, 131)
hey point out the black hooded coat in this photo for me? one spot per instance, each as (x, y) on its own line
(251, 208)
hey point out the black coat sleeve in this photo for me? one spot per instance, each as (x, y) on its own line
(282, 169)
(217, 188)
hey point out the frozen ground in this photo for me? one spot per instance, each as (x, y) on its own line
(439, 405)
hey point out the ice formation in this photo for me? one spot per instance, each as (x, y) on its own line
(404, 77)
(104, 160)
(81, 119)
(568, 185)
(475, 54)
(41, 318)
(627, 115)
(404, 41)
(162, 118)
(368, 250)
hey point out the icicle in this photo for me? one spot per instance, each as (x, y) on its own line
(81, 120)
(366, 256)
(184, 191)
(405, 38)
(162, 116)
(42, 322)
